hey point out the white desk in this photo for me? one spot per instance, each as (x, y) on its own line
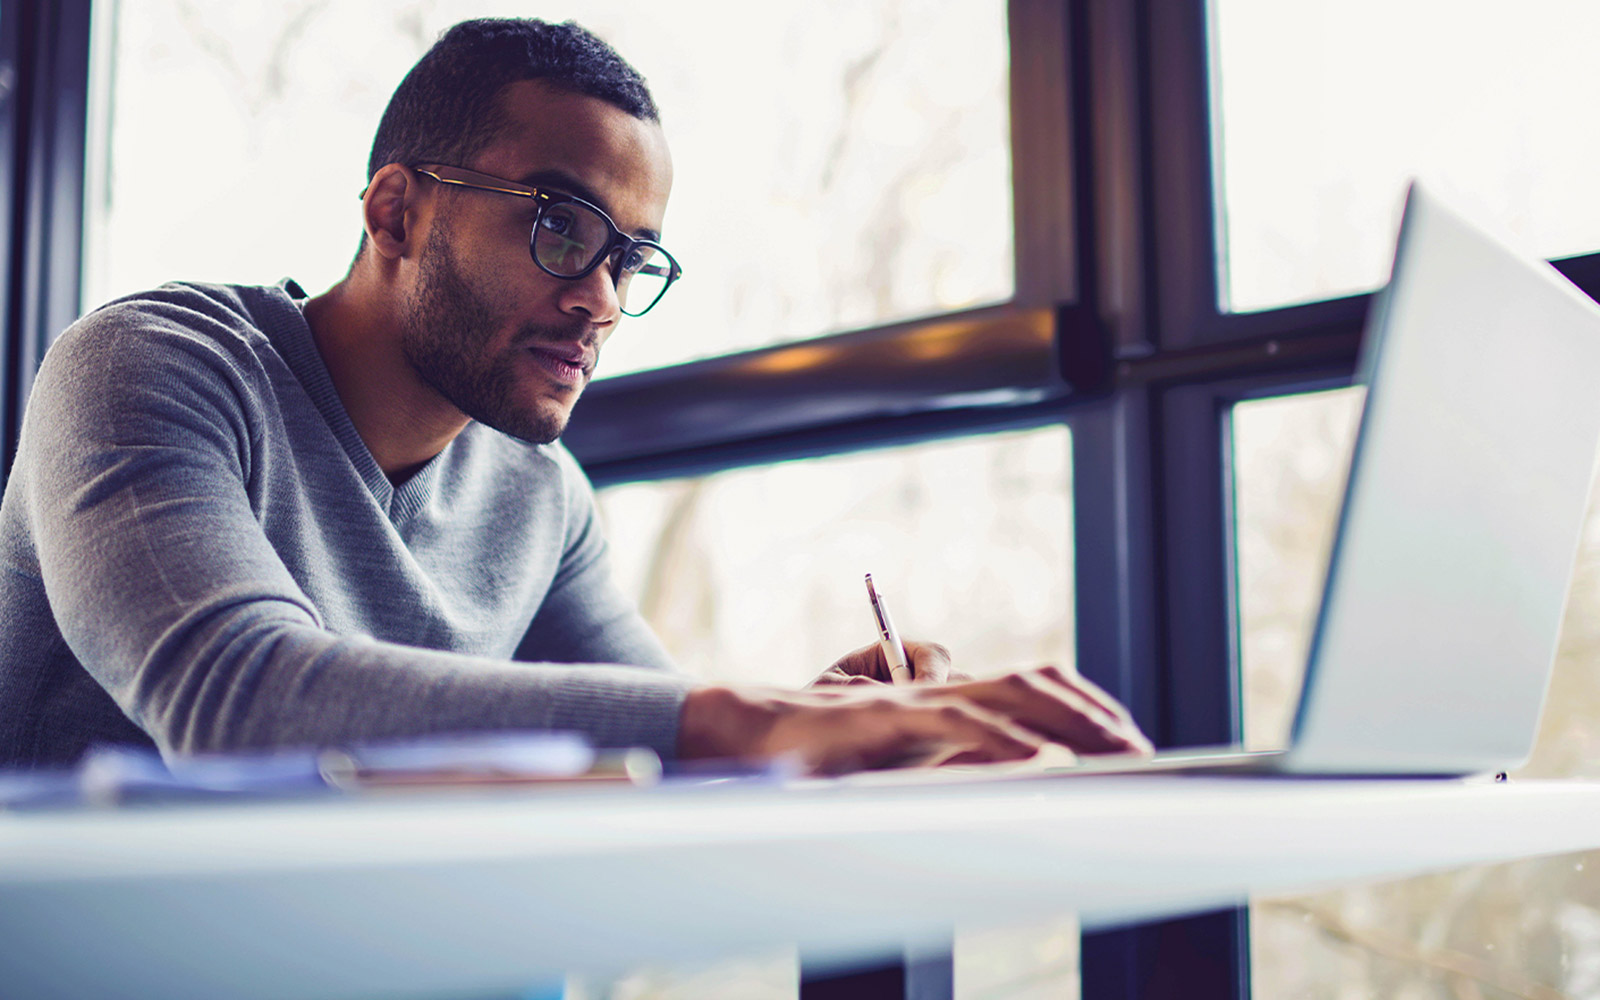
(456, 894)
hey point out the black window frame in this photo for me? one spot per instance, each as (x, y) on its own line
(1114, 329)
(44, 74)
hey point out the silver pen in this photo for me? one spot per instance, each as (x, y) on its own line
(894, 651)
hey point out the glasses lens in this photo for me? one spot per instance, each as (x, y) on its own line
(643, 278)
(569, 237)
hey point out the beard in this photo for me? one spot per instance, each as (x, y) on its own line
(445, 337)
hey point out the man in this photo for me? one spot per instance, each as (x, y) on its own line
(241, 518)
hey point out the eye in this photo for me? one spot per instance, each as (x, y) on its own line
(557, 220)
(636, 259)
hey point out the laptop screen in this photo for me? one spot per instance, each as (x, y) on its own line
(1462, 512)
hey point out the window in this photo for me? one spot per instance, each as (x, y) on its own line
(1324, 111)
(842, 166)
(834, 169)
(1517, 929)
(756, 574)
(1290, 456)
(1210, 162)
(1035, 961)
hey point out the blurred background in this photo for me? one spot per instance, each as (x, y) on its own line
(845, 166)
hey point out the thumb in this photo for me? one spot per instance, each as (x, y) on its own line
(930, 662)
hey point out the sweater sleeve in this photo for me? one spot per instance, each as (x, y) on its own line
(134, 462)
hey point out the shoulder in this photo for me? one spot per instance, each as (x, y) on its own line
(222, 315)
(188, 347)
(178, 330)
(180, 320)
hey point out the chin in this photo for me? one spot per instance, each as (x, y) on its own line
(526, 409)
(535, 426)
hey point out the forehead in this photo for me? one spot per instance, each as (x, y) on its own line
(621, 159)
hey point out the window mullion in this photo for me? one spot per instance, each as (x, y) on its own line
(1043, 210)
(46, 115)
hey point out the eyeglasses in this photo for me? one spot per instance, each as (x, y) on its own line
(571, 237)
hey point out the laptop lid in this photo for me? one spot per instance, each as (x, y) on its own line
(1462, 513)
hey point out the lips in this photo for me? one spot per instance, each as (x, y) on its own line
(568, 364)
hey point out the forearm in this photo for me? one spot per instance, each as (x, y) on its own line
(236, 686)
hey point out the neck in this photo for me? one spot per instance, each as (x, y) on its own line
(402, 420)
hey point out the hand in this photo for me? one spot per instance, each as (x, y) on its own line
(840, 729)
(930, 663)
(1062, 705)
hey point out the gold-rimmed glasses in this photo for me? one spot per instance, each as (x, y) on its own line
(571, 237)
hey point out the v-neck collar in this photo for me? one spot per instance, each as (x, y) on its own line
(286, 326)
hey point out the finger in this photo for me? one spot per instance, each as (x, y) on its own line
(1089, 689)
(867, 661)
(1057, 711)
(960, 757)
(976, 733)
(839, 679)
(930, 662)
(831, 676)
(888, 732)
(1051, 756)
(1097, 695)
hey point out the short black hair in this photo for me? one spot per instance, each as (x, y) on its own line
(446, 110)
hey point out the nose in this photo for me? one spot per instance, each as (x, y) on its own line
(593, 295)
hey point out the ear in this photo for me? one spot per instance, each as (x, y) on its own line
(390, 210)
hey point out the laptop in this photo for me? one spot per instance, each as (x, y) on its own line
(1461, 518)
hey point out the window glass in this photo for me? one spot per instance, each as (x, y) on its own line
(1324, 111)
(755, 575)
(1290, 455)
(837, 164)
(1526, 929)
(771, 977)
(1033, 961)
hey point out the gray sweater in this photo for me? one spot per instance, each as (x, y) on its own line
(198, 550)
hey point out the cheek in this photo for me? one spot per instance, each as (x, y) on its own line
(506, 297)
(510, 290)
(495, 260)
(513, 284)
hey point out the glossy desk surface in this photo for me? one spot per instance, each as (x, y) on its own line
(465, 894)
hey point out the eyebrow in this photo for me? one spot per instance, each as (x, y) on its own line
(569, 184)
